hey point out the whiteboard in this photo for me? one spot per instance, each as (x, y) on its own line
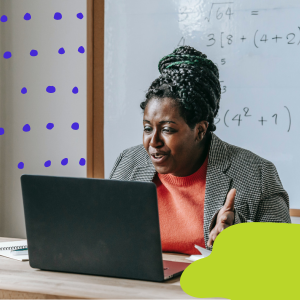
(256, 45)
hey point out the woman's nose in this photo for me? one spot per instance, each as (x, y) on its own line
(156, 140)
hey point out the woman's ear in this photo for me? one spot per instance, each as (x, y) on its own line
(201, 129)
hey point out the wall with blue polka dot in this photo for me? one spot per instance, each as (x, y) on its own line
(42, 97)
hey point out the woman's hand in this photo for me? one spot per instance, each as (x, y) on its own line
(225, 217)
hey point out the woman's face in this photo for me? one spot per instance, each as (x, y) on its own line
(173, 146)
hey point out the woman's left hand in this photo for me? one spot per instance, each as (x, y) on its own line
(225, 217)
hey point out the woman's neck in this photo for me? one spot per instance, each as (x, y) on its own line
(198, 159)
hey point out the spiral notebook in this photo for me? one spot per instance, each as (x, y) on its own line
(6, 249)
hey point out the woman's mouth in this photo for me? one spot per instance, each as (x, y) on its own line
(158, 157)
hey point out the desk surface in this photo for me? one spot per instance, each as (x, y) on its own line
(19, 280)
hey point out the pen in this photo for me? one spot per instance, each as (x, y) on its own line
(23, 251)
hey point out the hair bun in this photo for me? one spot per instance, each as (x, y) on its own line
(192, 80)
(187, 57)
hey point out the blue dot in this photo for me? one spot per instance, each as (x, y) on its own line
(49, 126)
(75, 90)
(26, 128)
(24, 90)
(82, 161)
(7, 55)
(57, 16)
(75, 126)
(80, 16)
(1, 131)
(81, 49)
(50, 89)
(3, 18)
(64, 161)
(33, 52)
(20, 165)
(27, 16)
(47, 163)
(61, 51)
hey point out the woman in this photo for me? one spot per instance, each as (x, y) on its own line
(203, 184)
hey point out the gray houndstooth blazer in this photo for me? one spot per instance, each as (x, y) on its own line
(260, 195)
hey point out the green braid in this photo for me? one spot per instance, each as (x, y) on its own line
(191, 60)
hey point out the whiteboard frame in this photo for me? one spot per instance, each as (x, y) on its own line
(95, 88)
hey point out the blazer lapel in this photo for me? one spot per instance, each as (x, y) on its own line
(144, 173)
(218, 183)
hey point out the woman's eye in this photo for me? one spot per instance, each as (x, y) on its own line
(147, 129)
(168, 130)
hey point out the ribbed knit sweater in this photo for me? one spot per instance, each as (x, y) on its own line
(181, 210)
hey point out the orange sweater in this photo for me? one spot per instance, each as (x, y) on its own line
(181, 210)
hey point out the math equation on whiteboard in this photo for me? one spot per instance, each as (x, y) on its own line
(224, 11)
(224, 39)
(232, 118)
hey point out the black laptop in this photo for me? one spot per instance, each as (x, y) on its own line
(95, 226)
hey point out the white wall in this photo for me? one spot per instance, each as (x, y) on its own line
(37, 108)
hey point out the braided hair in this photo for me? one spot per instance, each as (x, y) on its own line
(192, 81)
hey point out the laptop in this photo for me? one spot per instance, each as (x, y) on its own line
(95, 226)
